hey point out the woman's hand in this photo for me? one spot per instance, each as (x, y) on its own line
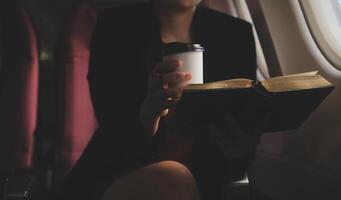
(165, 88)
(235, 142)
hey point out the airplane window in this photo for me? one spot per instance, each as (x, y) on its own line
(324, 20)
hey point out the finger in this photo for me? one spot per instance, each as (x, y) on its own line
(162, 109)
(167, 67)
(168, 104)
(164, 112)
(174, 93)
(155, 83)
(163, 99)
(171, 93)
(176, 79)
(164, 81)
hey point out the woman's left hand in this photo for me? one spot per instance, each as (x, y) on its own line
(235, 142)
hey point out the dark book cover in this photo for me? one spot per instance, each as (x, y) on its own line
(248, 106)
(289, 110)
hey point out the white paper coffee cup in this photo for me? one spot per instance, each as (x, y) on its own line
(191, 56)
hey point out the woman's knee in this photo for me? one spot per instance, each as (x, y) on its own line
(172, 178)
(170, 171)
(163, 180)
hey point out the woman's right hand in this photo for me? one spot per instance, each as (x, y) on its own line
(165, 88)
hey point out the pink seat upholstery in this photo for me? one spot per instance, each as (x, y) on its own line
(18, 88)
(76, 120)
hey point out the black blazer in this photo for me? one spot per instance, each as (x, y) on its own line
(126, 45)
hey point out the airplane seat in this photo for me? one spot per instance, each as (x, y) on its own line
(18, 96)
(76, 119)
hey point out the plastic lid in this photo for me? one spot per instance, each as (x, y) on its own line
(178, 47)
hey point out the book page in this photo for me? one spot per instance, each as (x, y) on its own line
(224, 84)
(295, 82)
(312, 73)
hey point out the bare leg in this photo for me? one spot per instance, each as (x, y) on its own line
(167, 180)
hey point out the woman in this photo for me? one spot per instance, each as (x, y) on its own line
(124, 159)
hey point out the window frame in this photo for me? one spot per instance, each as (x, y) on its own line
(324, 23)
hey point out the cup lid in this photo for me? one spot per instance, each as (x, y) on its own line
(178, 47)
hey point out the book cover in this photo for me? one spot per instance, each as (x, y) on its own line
(289, 100)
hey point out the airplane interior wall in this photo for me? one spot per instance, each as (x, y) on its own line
(318, 139)
(308, 159)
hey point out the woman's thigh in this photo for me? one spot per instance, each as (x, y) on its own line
(163, 180)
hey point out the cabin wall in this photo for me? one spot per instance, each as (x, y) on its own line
(318, 140)
(305, 163)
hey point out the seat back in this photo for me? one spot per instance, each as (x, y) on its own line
(76, 119)
(18, 87)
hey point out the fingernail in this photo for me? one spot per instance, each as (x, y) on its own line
(188, 76)
(178, 63)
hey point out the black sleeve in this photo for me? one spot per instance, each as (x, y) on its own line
(245, 52)
(117, 91)
(120, 144)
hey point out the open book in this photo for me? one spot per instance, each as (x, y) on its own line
(289, 100)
